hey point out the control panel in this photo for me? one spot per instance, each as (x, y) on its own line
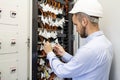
(51, 22)
(14, 23)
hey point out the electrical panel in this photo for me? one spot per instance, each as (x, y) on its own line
(13, 40)
(51, 22)
(8, 40)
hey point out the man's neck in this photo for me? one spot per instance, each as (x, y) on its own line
(93, 29)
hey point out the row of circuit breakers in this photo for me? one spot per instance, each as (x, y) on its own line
(53, 26)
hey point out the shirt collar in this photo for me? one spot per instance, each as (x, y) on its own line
(93, 35)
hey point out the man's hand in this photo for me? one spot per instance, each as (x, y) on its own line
(59, 50)
(47, 47)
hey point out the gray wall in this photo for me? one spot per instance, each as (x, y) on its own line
(110, 24)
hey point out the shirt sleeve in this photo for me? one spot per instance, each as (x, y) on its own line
(66, 57)
(79, 65)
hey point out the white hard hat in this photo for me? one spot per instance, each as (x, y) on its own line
(90, 7)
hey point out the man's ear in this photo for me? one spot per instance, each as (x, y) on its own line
(84, 21)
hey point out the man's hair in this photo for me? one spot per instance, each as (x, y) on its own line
(93, 19)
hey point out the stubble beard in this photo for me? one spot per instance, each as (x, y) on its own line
(83, 33)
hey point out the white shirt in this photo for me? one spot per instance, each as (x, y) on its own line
(91, 62)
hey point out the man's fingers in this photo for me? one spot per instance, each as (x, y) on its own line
(46, 43)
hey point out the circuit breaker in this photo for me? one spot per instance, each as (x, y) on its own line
(51, 22)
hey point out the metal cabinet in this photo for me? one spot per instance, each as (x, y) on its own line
(51, 22)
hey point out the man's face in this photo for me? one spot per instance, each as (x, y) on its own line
(79, 27)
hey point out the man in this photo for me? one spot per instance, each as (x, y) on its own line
(93, 60)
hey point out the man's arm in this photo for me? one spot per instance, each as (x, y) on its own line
(59, 50)
(66, 57)
(78, 65)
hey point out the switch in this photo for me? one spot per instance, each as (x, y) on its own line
(13, 70)
(13, 42)
(13, 14)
